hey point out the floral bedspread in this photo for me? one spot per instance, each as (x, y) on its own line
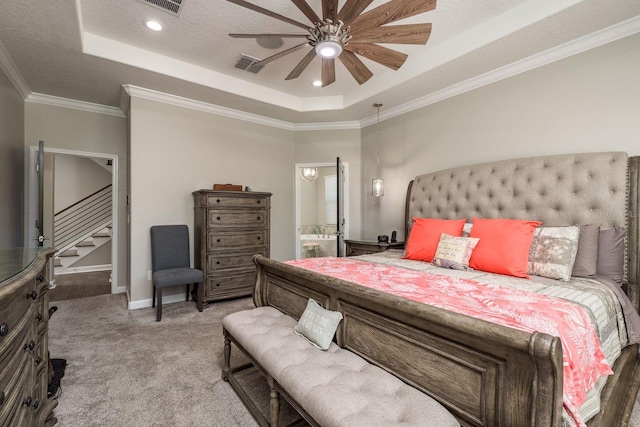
(583, 360)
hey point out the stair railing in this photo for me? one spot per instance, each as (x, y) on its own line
(83, 218)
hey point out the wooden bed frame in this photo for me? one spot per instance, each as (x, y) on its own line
(485, 374)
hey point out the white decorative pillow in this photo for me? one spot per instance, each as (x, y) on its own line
(454, 252)
(553, 252)
(318, 325)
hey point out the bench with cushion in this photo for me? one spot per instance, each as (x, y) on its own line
(328, 388)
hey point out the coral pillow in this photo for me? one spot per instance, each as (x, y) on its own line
(425, 236)
(504, 245)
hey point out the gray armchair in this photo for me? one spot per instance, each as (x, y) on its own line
(171, 263)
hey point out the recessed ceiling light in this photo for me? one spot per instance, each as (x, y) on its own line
(317, 83)
(153, 25)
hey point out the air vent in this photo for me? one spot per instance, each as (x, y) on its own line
(171, 6)
(246, 63)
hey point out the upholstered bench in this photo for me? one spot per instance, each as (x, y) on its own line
(328, 388)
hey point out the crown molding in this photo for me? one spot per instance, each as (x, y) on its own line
(205, 107)
(14, 76)
(574, 47)
(326, 126)
(56, 101)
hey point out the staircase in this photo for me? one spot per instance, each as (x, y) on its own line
(80, 229)
(65, 260)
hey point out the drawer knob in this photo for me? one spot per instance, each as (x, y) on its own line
(217, 284)
(218, 240)
(30, 346)
(217, 200)
(27, 401)
(258, 237)
(218, 218)
(33, 295)
(38, 360)
(258, 218)
(218, 262)
(259, 201)
(4, 329)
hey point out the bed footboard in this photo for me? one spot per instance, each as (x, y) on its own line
(485, 374)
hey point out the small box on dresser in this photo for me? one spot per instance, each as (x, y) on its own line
(230, 227)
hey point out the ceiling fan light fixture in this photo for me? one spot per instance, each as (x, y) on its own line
(328, 39)
(328, 49)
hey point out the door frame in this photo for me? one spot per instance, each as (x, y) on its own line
(32, 191)
(297, 178)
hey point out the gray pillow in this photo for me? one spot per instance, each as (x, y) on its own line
(611, 254)
(318, 325)
(587, 256)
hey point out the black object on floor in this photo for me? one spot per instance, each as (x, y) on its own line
(59, 366)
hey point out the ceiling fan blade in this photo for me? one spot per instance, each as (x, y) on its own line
(400, 34)
(279, 55)
(358, 70)
(267, 36)
(351, 10)
(391, 11)
(328, 71)
(306, 9)
(382, 55)
(302, 65)
(330, 9)
(269, 13)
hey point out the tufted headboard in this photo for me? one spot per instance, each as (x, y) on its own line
(566, 189)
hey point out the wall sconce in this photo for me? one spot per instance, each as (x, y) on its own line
(309, 174)
(377, 189)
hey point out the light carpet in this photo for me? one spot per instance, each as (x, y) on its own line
(126, 369)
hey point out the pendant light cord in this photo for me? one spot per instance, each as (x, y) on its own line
(378, 105)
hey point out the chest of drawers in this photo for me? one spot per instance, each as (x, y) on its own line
(229, 228)
(24, 302)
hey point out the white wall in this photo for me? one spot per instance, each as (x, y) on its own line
(585, 103)
(11, 164)
(75, 130)
(76, 178)
(175, 151)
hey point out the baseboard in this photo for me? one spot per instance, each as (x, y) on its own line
(166, 299)
(85, 269)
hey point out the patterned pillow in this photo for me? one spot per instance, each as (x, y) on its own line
(553, 252)
(318, 325)
(454, 252)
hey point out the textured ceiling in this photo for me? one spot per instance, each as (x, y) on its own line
(87, 49)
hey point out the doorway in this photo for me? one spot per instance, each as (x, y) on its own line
(32, 200)
(317, 210)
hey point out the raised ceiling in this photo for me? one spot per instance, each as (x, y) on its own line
(86, 50)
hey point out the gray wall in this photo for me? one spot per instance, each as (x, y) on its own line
(81, 131)
(12, 162)
(175, 151)
(586, 103)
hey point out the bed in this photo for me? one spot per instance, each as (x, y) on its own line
(485, 373)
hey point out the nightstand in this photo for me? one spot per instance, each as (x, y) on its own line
(364, 247)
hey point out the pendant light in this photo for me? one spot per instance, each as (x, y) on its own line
(309, 174)
(377, 188)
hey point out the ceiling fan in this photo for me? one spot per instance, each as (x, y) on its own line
(346, 33)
